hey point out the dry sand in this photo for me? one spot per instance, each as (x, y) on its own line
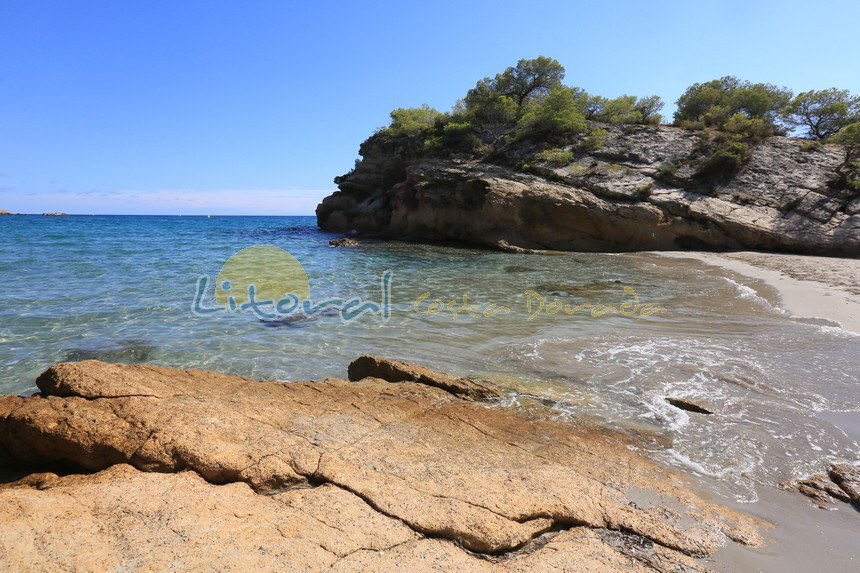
(809, 287)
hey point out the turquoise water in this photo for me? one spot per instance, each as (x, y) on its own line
(121, 289)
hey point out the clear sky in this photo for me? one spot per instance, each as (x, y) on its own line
(214, 107)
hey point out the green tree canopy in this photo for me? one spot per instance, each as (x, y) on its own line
(849, 137)
(715, 102)
(528, 79)
(649, 107)
(822, 113)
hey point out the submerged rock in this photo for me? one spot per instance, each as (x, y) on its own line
(685, 404)
(587, 290)
(344, 242)
(518, 269)
(130, 351)
(390, 471)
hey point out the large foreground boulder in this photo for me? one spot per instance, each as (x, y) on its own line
(192, 469)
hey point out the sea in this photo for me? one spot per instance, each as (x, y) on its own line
(609, 337)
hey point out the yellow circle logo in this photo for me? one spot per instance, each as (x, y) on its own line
(273, 272)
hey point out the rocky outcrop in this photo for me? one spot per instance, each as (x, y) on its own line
(641, 190)
(55, 214)
(840, 483)
(146, 468)
(2, 212)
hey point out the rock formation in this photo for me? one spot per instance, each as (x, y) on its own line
(641, 190)
(840, 483)
(402, 469)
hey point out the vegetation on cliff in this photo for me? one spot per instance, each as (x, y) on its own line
(528, 105)
(524, 160)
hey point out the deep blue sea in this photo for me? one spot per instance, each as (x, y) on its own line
(121, 289)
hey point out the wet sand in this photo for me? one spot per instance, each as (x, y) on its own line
(804, 538)
(809, 287)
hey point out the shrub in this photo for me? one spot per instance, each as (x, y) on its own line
(666, 172)
(792, 205)
(460, 136)
(412, 120)
(556, 157)
(596, 139)
(644, 191)
(727, 158)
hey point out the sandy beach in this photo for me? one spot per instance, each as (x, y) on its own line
(808, 287)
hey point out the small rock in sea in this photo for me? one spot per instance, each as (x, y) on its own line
(688, 406)
(591, 289)
(344, 242)
(840, 483)
(55, 214)
(518, 269)
(509, 248)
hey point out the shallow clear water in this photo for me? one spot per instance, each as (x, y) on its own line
(121, 289)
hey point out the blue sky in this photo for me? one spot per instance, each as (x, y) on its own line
(164, 107)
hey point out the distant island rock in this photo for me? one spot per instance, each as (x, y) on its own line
(2, 212)
(55, 214)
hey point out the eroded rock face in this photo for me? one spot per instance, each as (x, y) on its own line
(372, 475)
(639, 191)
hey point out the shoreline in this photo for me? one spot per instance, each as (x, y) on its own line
(832, 295)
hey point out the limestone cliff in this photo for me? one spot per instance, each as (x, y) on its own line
(642, 189)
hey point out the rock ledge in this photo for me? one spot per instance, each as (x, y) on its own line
(141, 468)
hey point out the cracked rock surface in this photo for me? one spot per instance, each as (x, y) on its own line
(174, 470)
